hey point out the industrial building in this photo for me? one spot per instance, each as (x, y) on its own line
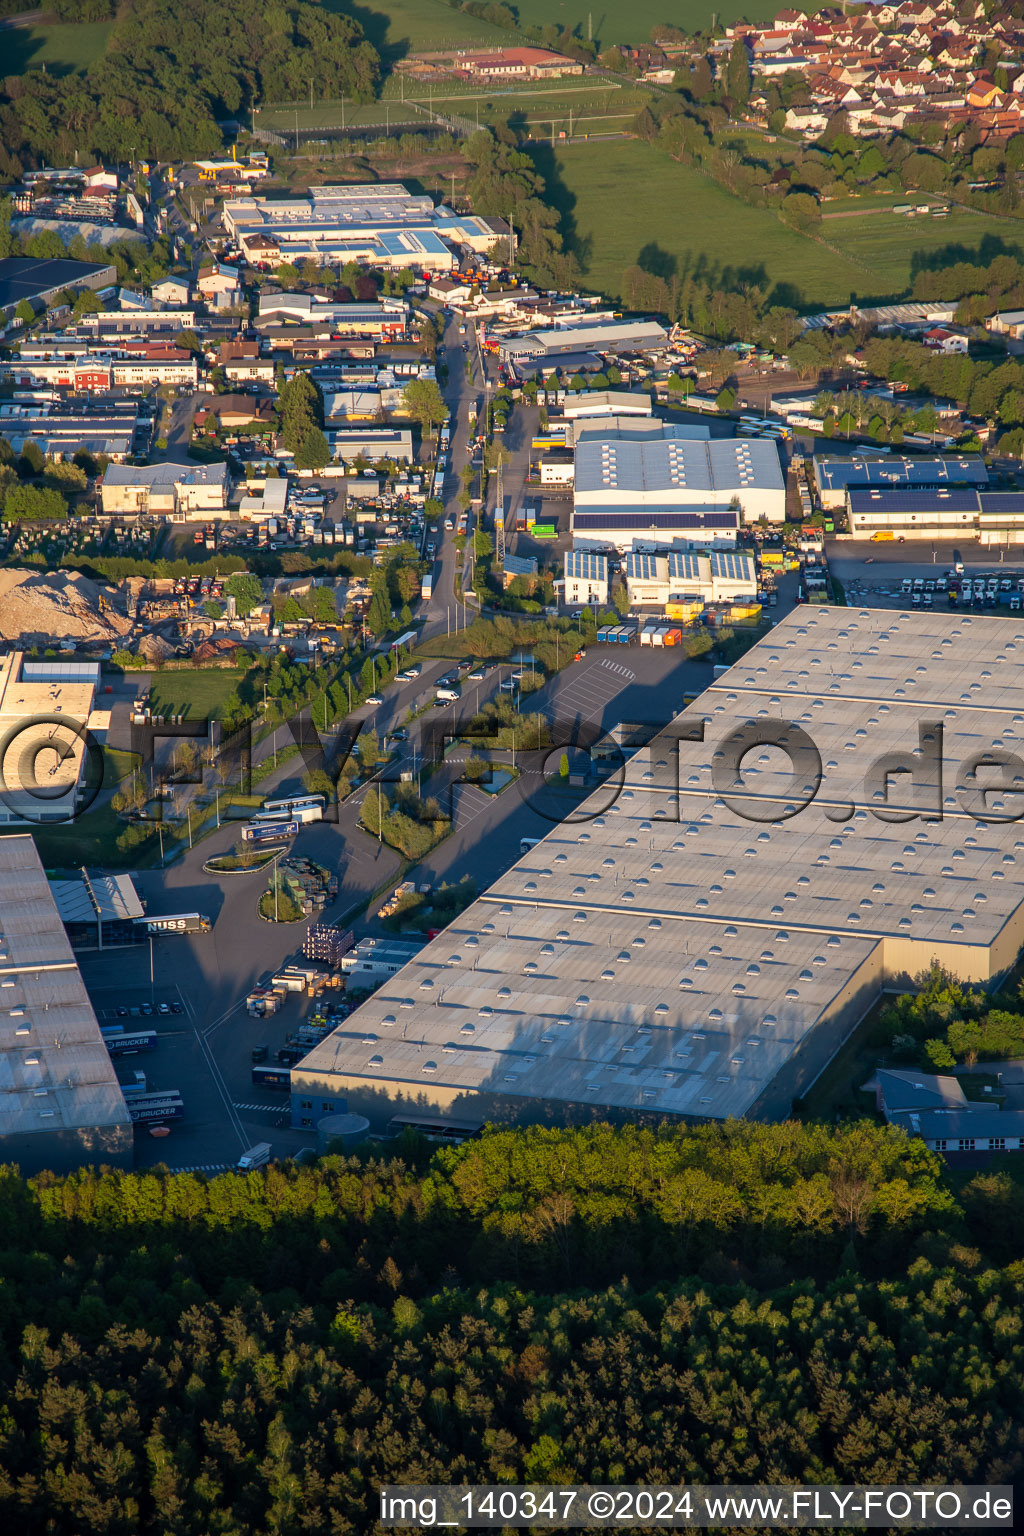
(113, 323)
(635, 487)
(993, 517)
(98, 911)
(835, 476)
(60, 1102)
(46, 712)
(62, 430)
(41, 281)
(610, 528)
(607, 337)
(586, 576)
(632, 428)
(701, 943)
(384, 320)
(381, 225)
(174, 491)
(378, 443)
(606, 402)
(723, 576)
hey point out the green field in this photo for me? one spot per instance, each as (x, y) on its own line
(619, 23)
(399, 27)
(197, 695)
(628, 203)
(63, 49)
(885, 242)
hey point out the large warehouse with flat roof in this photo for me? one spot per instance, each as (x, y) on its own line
(60, 1101)
(835, 476)
(683, 953)
(633, 485)
(40, 280)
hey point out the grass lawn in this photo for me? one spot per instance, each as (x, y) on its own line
(197, 695)
(400, 27)
(887, 242)
(92, 840)
(117, 765)
(63, 49)
(632, 23)
(626, 203)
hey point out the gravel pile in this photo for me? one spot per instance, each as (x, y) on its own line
(55, 605)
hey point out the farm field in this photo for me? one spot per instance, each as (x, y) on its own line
(628, 203)
(399, 27)
(63, 49)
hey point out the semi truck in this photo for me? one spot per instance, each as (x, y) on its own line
(268, 831)
(149, 1107)
(122, 1042)
(256, 1157)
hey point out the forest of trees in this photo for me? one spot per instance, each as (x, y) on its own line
(739, 1303)
(172, 69)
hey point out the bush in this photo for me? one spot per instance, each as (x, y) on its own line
(32, 503)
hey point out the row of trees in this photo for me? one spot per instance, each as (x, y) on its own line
(504, 182)
(737, 1303)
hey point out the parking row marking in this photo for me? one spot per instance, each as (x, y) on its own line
(276, 1108)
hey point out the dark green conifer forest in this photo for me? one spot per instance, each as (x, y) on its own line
(738, 1303)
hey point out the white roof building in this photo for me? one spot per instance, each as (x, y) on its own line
(703, 943)
(46, 709)
(606, 402)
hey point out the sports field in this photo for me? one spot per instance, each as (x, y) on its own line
(63, 49)
(628, 203)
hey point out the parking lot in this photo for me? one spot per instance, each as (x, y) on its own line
(997, 590)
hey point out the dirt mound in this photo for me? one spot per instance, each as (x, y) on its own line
(55, 605)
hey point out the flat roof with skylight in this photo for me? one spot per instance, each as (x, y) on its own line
(697, 944)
